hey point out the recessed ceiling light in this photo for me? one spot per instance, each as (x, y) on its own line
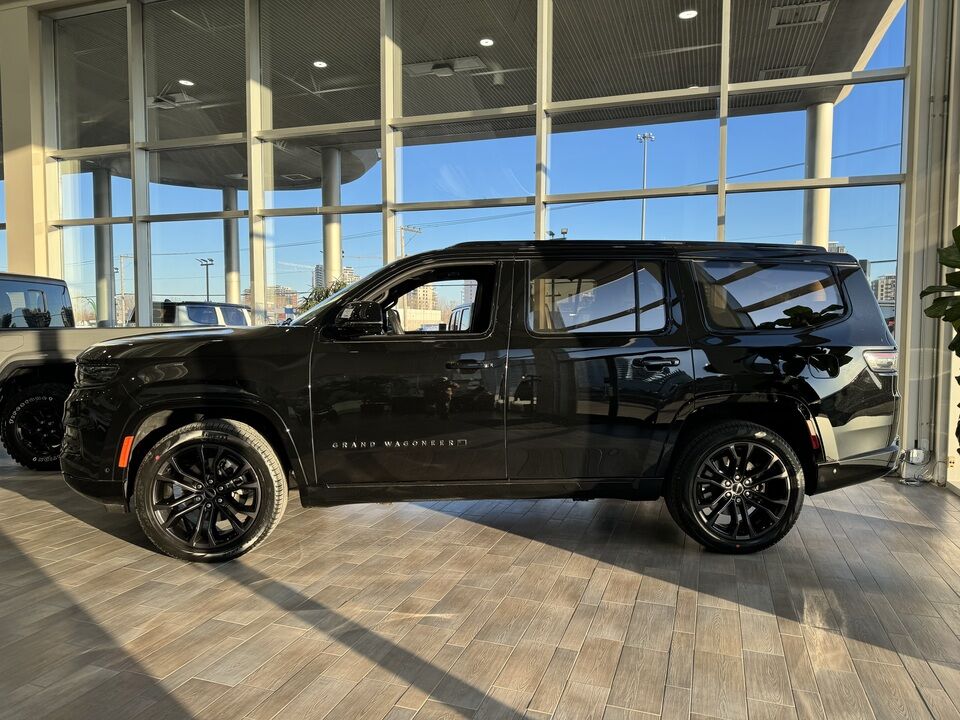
(186, 83)
(319, 64)
(687, 14)
(486, 42)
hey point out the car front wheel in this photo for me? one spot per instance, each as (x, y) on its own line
(210, 491)
(738, 487)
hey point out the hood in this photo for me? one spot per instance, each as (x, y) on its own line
(180, 343)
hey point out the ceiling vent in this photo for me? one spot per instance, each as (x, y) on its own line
(297, 177)
(806, 13)
(170, 101)
(783, 73)
(445, 68)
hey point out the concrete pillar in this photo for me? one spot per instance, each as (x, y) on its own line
(23, 148)
(816, 203)
(103, 249)
(231, 248)
(332, 238)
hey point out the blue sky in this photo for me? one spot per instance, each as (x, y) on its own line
(867, 137)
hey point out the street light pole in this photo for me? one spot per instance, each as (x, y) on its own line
(205, 263)
(644, 139)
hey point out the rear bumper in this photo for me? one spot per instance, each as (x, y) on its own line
(856, 469)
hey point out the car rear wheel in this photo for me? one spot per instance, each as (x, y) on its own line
(32, 425)
(210, 491)
(737, 488)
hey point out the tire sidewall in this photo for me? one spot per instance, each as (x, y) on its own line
(795, 475)
(143, 492)
(15, 446)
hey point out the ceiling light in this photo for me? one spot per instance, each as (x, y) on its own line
(687, 14)
(486, 42)
(319, 64)
(186, 83)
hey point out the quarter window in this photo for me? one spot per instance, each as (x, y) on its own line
(596, 296)
(766, 296)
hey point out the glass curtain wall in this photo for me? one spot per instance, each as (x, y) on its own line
(287, 144)
(3, 202)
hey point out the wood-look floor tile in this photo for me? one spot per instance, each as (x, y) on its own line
(640, 680)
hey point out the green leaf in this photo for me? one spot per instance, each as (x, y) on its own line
(949, 256)
(956, 237)
(939, 306)
(952, 315)
(953, 278)
(933, 289)
(954, 345)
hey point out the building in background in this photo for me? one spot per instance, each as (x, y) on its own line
(885, 288)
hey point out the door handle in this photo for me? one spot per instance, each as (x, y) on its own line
(468, 365)
(656, 362)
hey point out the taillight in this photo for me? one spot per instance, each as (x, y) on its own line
(882, 362)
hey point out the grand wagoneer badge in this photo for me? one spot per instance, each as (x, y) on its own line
(398, 444)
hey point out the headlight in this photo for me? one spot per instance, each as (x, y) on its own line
(95, 373)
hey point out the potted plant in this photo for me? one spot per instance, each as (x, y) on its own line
(947, 306)
(321, 292)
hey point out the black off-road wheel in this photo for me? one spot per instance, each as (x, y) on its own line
(210, 491)
(737, 488)
(32, 425)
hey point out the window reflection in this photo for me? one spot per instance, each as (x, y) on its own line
(747, 296)
(195, 67)
(92, 87)
(466, 55)
(595, 296)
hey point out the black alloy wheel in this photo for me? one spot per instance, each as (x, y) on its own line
(737, 487)
(210, 491)
(206, 495)
(741, 491)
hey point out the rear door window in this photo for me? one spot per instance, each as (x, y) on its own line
(768, 296)
(596, 296)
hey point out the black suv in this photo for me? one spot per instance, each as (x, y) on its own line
(729, 379)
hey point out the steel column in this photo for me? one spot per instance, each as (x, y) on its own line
(231, 247)
(103, 249)
(816, 203)
(332, 236)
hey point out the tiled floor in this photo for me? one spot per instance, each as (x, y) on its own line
(482, 609)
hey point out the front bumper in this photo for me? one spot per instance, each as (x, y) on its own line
(110, 493)
(856, 469)
(93, 419)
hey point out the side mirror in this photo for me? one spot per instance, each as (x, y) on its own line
(360, 318)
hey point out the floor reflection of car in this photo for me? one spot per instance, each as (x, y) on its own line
(191, 313)
(729, 379)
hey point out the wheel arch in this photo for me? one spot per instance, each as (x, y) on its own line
(24, 371)
(788, 417)
(156, 421)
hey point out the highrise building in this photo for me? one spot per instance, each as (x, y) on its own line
(885, 288)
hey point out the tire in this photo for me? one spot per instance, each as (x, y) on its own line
(205, 473)
(31, 425)
(732, 508)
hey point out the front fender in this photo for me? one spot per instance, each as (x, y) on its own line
(217, 402)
